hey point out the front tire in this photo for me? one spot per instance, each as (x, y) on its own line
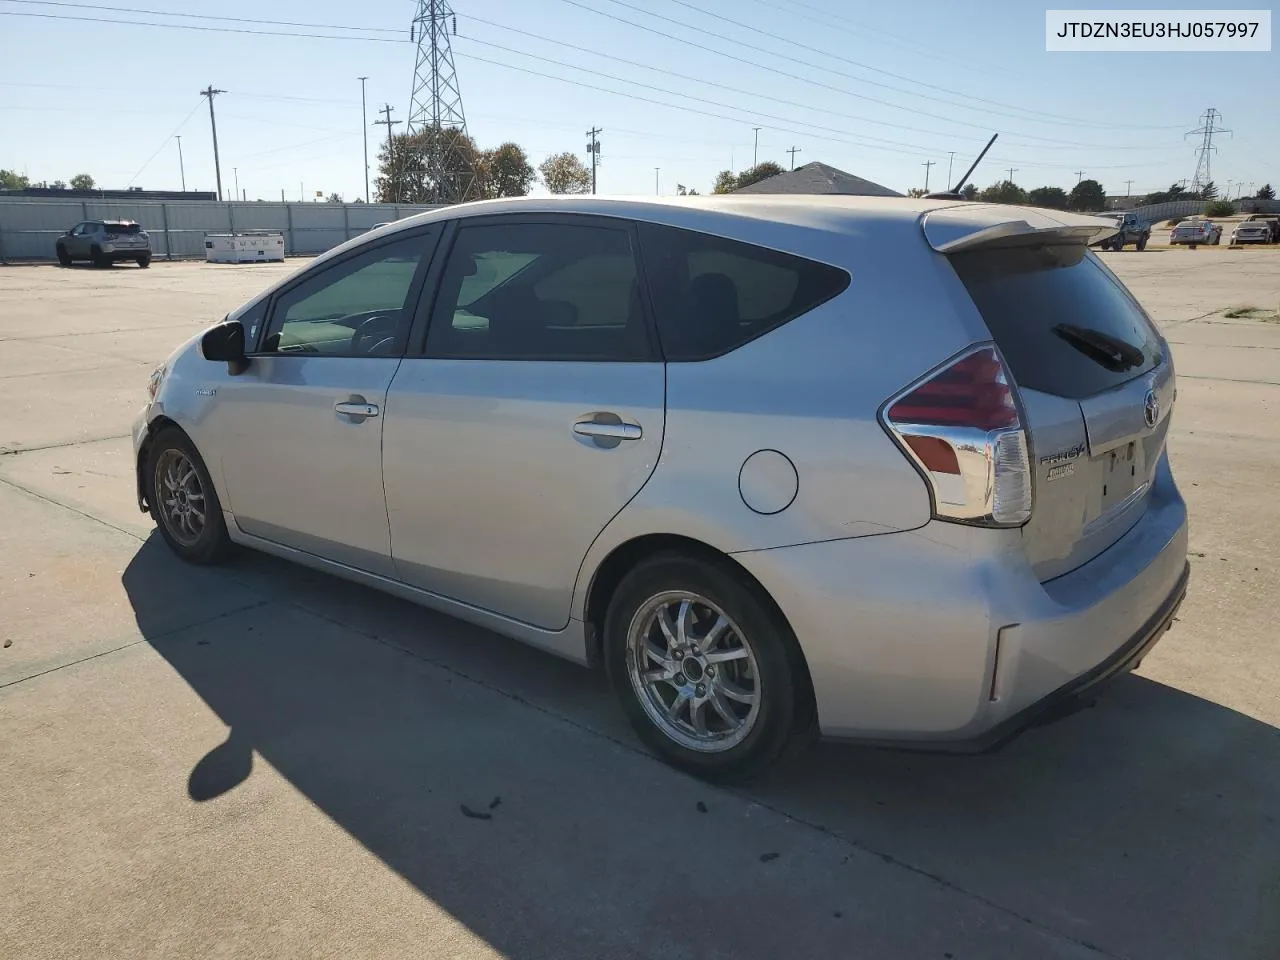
(706, 670)
(64, 258)
(1142, 242)
(183, 501)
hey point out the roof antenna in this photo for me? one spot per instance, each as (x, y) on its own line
(954, 192)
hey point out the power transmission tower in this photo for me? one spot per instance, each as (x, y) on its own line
(793, 151)
(391, 167)
(435, 106)
(593, 148)
(1206, 131)
(217, 168)
(928, 164)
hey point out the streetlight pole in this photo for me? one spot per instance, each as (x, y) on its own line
(182, 169)
(364, 137)
(755, 149)
(235, 171)
(655, 180)
(951, 158)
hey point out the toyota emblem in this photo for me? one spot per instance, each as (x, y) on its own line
(1151, 408)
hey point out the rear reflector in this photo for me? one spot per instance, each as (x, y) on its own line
(962, 428)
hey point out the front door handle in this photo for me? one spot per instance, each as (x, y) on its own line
(356, 409)
(612, 431)
(605, 430)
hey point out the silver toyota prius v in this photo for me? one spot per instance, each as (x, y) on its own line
(884, 469)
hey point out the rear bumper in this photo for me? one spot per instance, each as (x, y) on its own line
(942, 637)
(117, 253)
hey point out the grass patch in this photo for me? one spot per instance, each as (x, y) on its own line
(1252, 313)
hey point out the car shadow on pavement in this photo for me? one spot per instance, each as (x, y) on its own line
(1146, 826)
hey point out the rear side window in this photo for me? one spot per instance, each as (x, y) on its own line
(712, 295)
(123, 228)
(1063, 323)
(540, 291)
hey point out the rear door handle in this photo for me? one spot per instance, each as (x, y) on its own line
(356, 409)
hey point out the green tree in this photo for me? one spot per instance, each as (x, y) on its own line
(683, 191)
(1175, 192)
(1208, 192)
(409, 173)
(970, 192)
(13, 180)
(726, 182)
(1006, 191)
(565, 173)
(1087, 195)
(916, 192)
(505, 171)
(82, 181)
(1265, 192)
(333, 198)
(59, 185)
(761, 171)
(1055, 198)
(1219, 208)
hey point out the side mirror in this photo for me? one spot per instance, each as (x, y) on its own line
(225, 342)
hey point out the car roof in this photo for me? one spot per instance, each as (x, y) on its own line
(748, 216)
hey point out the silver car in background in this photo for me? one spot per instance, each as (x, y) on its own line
(883, 469)
(1195, 232)
(104, 242)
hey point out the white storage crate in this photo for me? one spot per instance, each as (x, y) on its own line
(252, 246)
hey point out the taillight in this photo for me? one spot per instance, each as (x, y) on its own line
(962, 427)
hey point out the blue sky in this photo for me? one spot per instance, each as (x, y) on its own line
(874, 89)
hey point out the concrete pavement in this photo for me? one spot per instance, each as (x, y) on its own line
(264, 761)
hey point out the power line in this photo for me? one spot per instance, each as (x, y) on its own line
(205, 16)
(806, 63)
(164, 143)
(1056, 118)
(561, 63)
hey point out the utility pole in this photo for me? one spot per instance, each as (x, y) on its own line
(656, 170)
(593, 148)
(929, 164)
(951, 158)
(1079, 176)
(235, 172)
(182, 169)
(755, 150)
(1206, 130)
(389, 123)
(210, 92)
(1128, 189)
(793, 151)
(364, 136)
(1012, 171)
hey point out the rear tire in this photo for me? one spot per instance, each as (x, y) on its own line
(64, 258)
(705, 668)
(97, 257)
(1142, 242)
(183, 501)
(144, 261)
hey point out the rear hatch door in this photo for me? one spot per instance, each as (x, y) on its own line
(1095, 381)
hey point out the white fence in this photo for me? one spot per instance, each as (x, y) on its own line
(29, 227)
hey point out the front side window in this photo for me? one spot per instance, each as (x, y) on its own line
(358, 307)
(540, 291)
(712, 295)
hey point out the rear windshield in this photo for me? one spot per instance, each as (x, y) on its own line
(123, 228)
(1064, 324)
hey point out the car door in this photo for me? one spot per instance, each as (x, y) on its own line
(300, 430)
(75, 244)
(533, 413)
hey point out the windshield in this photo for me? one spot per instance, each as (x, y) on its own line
(119, 228)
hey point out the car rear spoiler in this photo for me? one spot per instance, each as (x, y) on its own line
(954, 229)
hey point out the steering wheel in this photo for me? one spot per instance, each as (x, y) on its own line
(374, 329)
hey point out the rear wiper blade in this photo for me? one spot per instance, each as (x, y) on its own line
(1111, 352)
